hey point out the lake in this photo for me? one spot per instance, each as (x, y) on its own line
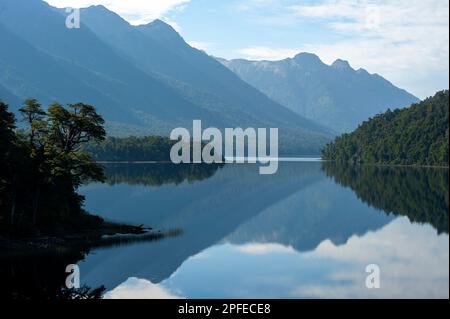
(309, 231)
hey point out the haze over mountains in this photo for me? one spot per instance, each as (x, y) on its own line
(143, 80)
(148, 80)
(336, 96)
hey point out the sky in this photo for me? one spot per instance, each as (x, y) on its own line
(405, 41)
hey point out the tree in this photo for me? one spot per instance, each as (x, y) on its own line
(70, 128)
(7, 139)
(7, 126)
(33, 114)
(46, 165)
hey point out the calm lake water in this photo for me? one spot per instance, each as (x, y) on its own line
(309, 231)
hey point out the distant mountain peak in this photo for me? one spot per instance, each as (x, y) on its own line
(362, 71)
(159, 22)
(159, 25)
(308, 58)
(336, 96)
(99, 7)
(159, 29)
(102, 13)
(341, 65)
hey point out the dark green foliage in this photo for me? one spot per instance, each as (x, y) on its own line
(7, 125)
(42, 167)
(131, 149)
(40, 275)
(158, 174)
(421, 194)
(418, 135)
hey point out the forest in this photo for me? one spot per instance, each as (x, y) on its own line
(130, 149)
(418, 135)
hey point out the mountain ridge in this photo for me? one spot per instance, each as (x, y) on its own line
(336, 95)
(154, 85)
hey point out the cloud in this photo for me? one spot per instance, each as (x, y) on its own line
(134, 11)
(266, 53)
(201, 45)
(413, 263)
(409, 257)
(407, 41)
(263, 249)
(135, 288)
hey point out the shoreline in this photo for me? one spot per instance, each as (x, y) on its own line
(387, 165)
(107, 234)
(291, 159)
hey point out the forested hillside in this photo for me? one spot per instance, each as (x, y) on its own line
(131, 149)
(418, 135)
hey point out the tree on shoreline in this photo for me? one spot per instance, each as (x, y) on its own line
(44, 166)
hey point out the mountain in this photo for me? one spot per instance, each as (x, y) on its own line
(158, 48)
(143, 80)
(336, 96)
(44, 59)
(417, 135)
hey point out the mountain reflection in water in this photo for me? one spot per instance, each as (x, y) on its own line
(308, 231)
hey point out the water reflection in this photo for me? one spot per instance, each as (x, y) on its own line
(306, 232)
(42, 276)
(421, 194)
(158, 174)
(413, 263)
(135, 288)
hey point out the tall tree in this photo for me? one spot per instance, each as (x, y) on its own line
(33, 114)
(70, 128)
(6, 128)
(7, 138)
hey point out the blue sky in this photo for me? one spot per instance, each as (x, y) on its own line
(406, 41)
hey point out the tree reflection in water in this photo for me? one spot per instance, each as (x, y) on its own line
(419, 193)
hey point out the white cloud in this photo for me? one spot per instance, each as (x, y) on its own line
(411, 260)
(135, 288)
(263, 249)
(266, 53)
(407, 41)
(172, 23)
(201, 45)
(134, 11)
